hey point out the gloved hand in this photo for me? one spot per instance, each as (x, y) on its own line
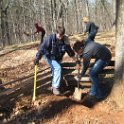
(36, 62)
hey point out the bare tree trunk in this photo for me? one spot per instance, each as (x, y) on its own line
(77, 15)
(67, 17)
(114, 13)
(117, 93)
(4, 9)
(104, 6)
(7, 29)
(18, 16)
(54, 13)
(87, 9)
(2, 24)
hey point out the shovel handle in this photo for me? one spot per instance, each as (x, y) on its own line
(35, 78)
(78, 83)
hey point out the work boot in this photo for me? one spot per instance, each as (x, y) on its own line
(89, 101)
(105, 90)
(56, 91)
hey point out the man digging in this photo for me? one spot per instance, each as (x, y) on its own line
(102, 56)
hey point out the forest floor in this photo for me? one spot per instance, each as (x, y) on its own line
(17, 62)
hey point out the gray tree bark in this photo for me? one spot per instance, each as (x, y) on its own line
(117, 93)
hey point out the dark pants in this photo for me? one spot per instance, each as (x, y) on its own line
(96, 84)
(91, 36)
(42, 36)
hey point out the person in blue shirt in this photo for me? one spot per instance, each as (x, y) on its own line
(102, 56)
(91, 29)
(53, 48)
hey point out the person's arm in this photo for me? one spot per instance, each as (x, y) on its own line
(86, 62)
(43, 48)
(35, 32)
(39, 29)
(68, 48)
(69, 51)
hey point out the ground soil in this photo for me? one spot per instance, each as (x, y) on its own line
(48, 108)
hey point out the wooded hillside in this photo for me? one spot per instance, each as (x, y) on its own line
(19, 16)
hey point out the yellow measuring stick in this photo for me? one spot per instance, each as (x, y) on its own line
(35, 79)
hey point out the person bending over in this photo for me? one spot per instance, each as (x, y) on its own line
(102, 56)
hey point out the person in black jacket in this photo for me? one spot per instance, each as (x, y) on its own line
(91, 29)
(53, 48)
(102, 56)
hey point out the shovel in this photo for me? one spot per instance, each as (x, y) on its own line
(78, 92)
(35, 79)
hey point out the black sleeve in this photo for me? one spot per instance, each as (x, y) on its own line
(86, 62)
(69, 51)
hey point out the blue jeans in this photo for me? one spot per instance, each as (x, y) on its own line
(91, 35)
(95, 87)
(56, 71)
